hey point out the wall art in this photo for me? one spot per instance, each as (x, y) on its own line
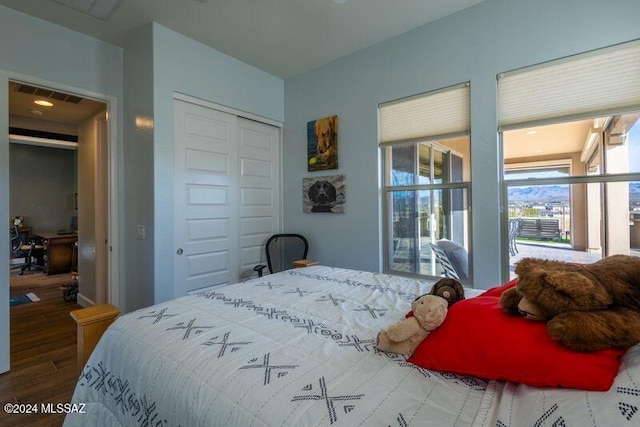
(322, 144)
(324, 194)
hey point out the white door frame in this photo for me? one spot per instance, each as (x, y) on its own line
(113, 231)
(198, 101)
(5, 338)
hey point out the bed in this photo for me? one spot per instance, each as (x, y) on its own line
(297, 349)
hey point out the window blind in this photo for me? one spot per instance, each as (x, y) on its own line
(601, 82)
(434, 115)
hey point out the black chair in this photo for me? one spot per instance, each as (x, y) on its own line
(70, 291)
(514, 227)
(442, 257)
(282, 250)
(27, 250)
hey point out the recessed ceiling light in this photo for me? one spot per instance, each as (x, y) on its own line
(43, 103)
(532, 132)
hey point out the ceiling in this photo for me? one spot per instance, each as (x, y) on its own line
(282, 37)
(567, 137)
(66, 108)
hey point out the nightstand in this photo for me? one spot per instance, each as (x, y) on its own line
(304, 263)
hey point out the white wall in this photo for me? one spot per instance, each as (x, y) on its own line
(183, 65)
(473, 45)
(44, 52)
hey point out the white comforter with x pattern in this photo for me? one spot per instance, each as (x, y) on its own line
(297, 349)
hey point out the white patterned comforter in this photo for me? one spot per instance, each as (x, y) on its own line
(297, 349)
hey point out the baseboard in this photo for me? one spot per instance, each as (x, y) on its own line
(84, 301)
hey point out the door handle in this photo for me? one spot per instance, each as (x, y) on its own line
(179, 251)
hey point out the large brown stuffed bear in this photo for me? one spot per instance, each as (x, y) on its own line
(587, 307)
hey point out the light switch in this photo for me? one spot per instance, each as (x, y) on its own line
(141, 232)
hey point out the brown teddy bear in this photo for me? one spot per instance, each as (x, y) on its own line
(449, 289)
(429, 311)
(587, 307)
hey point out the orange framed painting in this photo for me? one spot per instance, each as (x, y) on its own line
(322, 144)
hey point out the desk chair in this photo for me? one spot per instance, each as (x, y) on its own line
(27, 250)
(70, 292)
(282, 251)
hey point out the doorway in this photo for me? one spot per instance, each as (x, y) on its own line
(90, 209)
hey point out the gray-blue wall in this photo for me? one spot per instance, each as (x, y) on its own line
(185, 66)
(44, 52)
(473, 45)
(43, 186)
(138, 170)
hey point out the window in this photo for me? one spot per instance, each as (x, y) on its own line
(426, 150)
(570, 131)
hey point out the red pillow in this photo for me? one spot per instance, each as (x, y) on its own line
(478, 339)
(498, 290)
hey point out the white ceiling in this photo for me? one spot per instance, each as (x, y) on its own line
(282, 37)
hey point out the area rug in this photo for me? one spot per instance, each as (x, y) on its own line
(23, 299)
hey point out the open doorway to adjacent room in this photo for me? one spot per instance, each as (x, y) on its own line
(59, 183)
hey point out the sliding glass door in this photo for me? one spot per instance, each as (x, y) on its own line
(427, 202)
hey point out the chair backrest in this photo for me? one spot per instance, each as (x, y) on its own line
(283, 249)
(443, 259)
(16, 242)
(514, 226)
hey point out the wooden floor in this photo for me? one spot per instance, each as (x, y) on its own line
(43, 349)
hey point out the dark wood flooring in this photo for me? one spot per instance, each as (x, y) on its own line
(43, 349)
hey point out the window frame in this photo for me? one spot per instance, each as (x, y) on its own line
(595, 85)
(602, 178)
(426, 118)
(386, 198)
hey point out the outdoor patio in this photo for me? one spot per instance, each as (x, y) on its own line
(555, 251)
(545, 249)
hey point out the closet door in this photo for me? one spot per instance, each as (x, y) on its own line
(205, 197)
(259, 209)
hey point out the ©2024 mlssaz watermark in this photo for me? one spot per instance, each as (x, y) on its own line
(44, 408)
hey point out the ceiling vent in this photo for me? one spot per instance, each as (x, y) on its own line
(42, 139)
(43, 134)
(48, 93)
(101, 9)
